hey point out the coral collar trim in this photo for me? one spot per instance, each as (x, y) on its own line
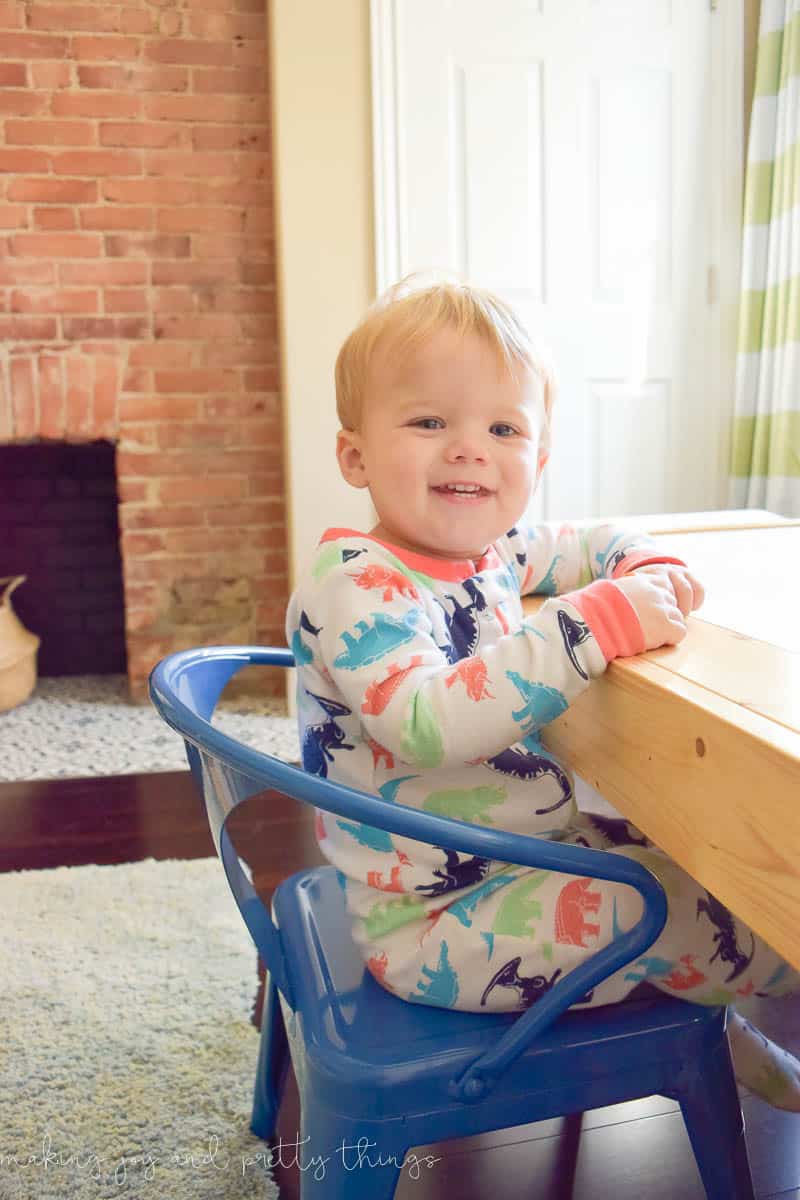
(449, 569)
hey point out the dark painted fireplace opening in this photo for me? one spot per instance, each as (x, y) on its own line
(59, 526)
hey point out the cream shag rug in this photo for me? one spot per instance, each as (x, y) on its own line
(127, 1056)
(84, 725)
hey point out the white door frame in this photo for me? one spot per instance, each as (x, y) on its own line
(724, 217)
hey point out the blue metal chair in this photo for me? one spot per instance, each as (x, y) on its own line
(378, 1076)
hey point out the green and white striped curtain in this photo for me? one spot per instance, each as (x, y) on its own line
(765, 461)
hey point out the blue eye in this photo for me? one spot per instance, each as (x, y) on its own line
(501, 429)
(428, 423)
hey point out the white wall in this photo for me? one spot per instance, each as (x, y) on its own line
(321, 100)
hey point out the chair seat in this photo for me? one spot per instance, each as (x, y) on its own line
(366, 1052)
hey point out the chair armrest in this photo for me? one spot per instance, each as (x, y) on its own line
(503, 847)
(190, 683)
(519, 850)
(185, 688)
(479, 1078)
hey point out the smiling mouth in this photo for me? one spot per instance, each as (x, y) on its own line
(462, 491)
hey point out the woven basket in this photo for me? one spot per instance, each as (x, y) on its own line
(18, 647)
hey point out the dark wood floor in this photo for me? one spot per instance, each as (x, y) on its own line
(633, 1151)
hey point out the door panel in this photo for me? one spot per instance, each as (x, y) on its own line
(558, 153)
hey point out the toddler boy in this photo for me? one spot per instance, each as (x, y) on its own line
(420, 679)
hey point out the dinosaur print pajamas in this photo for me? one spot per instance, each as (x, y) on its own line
(421, 680)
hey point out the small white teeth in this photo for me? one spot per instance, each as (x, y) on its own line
(463, 487)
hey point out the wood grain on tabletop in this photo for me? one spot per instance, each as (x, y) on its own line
(750, 577)
(705, 779)
(699, 744)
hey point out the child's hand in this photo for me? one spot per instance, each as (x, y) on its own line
(689, 592)
(653, 599)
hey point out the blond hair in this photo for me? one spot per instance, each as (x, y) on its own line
(402, 320)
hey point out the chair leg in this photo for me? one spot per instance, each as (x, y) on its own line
(273, 1063)
(352, 1160)
(715, 1124)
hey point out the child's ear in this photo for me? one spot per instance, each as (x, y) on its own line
(544, 454)
(350, 458)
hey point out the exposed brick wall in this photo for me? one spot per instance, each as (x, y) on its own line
(137, 294)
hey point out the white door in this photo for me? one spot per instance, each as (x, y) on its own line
(558, 152)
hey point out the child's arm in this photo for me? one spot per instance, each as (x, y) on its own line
(558, 558)
(374, 637)
(554, 559)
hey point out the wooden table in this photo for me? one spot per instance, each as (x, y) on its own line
(699, 744)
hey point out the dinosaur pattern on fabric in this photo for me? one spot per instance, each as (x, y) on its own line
(421, 680)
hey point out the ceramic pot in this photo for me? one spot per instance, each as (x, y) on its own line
(18, 647)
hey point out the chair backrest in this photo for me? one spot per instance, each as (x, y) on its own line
(185, 688)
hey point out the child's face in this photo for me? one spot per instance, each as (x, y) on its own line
(449, 446)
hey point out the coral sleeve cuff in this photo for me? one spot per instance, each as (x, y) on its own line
(611, 618)
(632, 561)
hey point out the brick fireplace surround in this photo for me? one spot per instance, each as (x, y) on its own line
(137, 295)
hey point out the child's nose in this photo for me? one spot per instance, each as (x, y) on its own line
(467, 448)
